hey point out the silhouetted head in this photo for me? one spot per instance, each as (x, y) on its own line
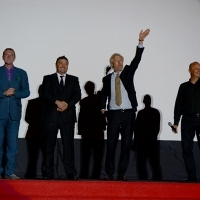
(147, 100)
(89, 87)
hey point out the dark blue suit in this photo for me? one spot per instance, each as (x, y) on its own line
(10, 114)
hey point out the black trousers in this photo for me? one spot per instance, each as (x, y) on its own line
(189, 127)
(148, 149)
(119, 122)
(91, 155)
(67, 137)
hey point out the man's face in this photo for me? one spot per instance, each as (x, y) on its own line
(117, 63)
(195, 70)
(8, 57)
(62, 66)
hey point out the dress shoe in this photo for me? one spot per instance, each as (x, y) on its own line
(47, 178)
(72, 177)
(12, 176)
(190, 180)
(108, 178)
(122, 178)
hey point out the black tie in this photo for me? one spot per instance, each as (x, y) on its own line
(61, 83)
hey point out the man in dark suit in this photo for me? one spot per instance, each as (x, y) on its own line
(119, 89)
(13, 87)
(60, 92)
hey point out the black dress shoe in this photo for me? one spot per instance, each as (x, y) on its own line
(190, 180)
(72, 177)
(108, 178)
(47, 178)
(122, 178)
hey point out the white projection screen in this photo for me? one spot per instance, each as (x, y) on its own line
(88, 32)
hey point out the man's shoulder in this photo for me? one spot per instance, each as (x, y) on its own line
(19, 69)
(71, 76)
(49, 75)
(185, 84)
(108, 76)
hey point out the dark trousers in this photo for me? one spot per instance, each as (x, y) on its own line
(189, 127)
(67, 137)
(148, 149)
(8, 134)
(91, 155)
(34, 146)
(123, 123)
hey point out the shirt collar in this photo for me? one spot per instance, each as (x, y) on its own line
(10, 70)
(61, 74)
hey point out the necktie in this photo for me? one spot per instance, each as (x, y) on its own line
(118, 97)
(61, 83)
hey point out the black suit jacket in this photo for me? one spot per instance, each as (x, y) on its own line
(50, 93)
(126, 77)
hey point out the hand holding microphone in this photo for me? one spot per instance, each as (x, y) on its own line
(174, 128)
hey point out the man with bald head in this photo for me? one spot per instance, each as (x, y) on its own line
(188, 105)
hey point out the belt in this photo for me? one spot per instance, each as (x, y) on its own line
(122, 110)
(194, 115)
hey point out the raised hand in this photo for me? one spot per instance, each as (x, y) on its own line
(143, 34)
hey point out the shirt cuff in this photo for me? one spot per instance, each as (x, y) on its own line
(140, 46)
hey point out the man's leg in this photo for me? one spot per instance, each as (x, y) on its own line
(154, 159)
(126, 140)
(2, 134)
(85, 158)
(51, 130)
(67, 136)
(142, 159)
(98, 147)
(187, 136)
(112, 139)
(12, 128)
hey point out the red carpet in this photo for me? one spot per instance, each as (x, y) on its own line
(88, 190)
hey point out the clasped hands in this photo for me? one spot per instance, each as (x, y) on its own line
(9, 92)
(61, 105)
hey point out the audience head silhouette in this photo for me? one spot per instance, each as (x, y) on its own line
(89, 87)
(147, 100)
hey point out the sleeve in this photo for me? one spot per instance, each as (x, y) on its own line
(178, 107)
(23, 91)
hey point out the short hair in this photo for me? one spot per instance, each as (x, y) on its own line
(10, 49)
(62, 57)
(113, 56)
(192, 64)
(89, 87)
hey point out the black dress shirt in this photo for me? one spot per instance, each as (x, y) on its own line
(187, 100)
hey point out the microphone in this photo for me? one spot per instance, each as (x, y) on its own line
(170, 124)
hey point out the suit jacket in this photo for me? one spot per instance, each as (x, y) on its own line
(126, 77)
(13, 103)
(50, 93)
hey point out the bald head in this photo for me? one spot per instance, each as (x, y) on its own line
(193, 65)
(194, 70)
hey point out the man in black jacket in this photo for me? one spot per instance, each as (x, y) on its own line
(118, 88)
(60, 92)
(187, 104)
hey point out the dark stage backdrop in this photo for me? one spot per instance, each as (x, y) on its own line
(172, 163)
